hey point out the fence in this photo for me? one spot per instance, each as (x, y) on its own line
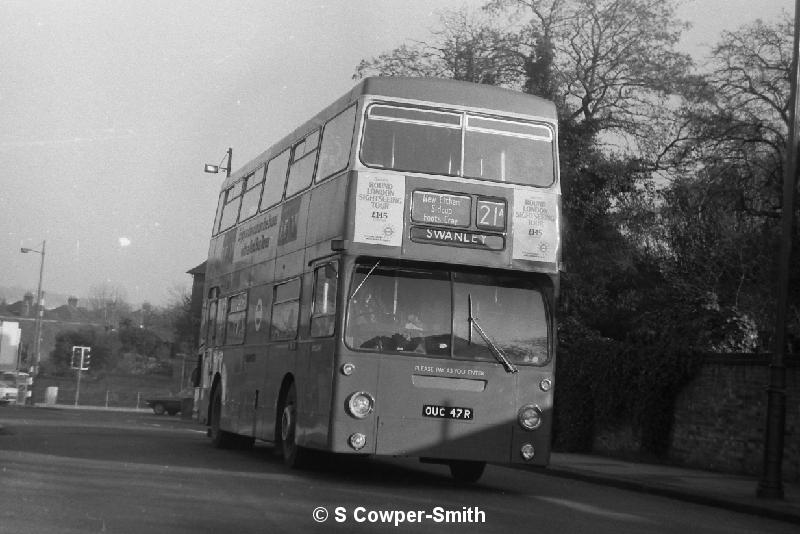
(113, 391)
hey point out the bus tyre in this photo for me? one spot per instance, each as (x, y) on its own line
(219, 438)
(294, 456)
(159, 409)
(466, 471)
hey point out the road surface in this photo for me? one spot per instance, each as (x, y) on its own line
(75, 471)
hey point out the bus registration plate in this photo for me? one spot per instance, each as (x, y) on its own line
(447, 412)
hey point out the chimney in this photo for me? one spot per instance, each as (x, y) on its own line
(28, 302)
(72, 302)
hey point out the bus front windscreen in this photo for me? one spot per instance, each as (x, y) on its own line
(434, 313)
(458, 144)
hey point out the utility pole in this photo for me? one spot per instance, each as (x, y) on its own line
(37, 340)
(771, 486)
(37, 345)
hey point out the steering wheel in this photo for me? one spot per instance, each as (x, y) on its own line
(375, 343)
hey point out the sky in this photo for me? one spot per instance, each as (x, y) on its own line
(110, 108)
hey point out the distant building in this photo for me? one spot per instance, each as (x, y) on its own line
(198, 283)
(69, 316)
(21, 308)
(9, 345)
(71, 313)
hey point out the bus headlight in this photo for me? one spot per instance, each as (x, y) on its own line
(529, 417)
(360, 404)
(348, 368)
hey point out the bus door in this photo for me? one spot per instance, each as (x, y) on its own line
(317, 352)
(256, 362)
(210, 363)
(236, 397)
(284, 327)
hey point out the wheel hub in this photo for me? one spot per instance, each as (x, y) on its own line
(287, 423)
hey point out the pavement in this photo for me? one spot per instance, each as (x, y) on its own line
(731, 492)
(144, 409)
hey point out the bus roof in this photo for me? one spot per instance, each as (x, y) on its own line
(434, 90)
(457, 93)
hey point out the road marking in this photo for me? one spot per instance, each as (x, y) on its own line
(594, 510)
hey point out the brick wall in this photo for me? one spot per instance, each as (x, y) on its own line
(720, 417)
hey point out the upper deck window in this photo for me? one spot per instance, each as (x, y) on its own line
(508, 151)
(217, 217)
(411, 139)
(337, 137)
(230, 208)
(275, 179)
(458, 144)
(301, 169)
(252, 196)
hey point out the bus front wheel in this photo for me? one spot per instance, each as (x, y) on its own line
(294, 456)
(466, 471)
(219, 438)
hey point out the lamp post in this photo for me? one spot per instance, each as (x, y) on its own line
(39, 308)
(214, 169)
(771, 484)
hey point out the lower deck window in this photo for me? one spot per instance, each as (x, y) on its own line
(237, 319)
(285, 311)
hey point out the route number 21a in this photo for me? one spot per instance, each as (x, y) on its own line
(491, 214)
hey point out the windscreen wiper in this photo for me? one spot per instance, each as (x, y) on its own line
(496, 351)
(364, 280)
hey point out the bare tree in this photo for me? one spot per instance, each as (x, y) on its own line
(740, 120)
(109, 303)
(610, 65)
(468, 46)
(720, 214)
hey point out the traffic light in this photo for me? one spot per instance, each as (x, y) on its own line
(81, 358)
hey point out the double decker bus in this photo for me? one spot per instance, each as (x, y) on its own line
(382, 281)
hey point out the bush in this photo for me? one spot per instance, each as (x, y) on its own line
(61, 356)
(132, 363)
(603, 383)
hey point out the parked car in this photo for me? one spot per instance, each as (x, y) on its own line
(162, 405)
(8, 389)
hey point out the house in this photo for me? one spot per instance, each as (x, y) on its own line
(68, 316)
